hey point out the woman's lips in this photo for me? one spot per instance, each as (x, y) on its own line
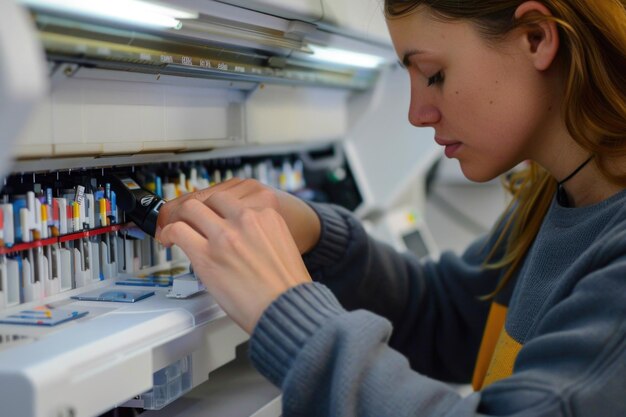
(452, 149)
(451, 146)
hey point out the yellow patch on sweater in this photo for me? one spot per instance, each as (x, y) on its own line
(503, 359)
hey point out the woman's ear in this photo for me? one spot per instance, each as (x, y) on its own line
(540, 39)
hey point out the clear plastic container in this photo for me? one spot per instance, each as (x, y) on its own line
(168, 384)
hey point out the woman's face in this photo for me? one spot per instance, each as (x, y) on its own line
(489, 106)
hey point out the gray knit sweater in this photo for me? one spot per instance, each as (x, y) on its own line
(378, 330)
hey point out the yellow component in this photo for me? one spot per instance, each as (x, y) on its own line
(151, 186)
(493, 329)
(504, 356)
(103, 213)
(411, 217)
(170, 272)
(44, 214)
(76, 211)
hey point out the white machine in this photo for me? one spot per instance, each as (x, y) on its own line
(22, 77)
(304, 95)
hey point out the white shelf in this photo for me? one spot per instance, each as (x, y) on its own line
(84, 367)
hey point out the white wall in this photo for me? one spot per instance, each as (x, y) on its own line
(458, 210)
(392, 153)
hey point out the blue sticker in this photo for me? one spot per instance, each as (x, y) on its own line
(45, 317)
(117, 296)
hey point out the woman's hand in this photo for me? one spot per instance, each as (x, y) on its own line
(245, 256)
(301, 220)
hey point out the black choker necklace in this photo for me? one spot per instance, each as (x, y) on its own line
(561, 195)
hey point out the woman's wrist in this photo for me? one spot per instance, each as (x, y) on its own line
(303, 222)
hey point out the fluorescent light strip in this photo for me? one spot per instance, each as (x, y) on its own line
(344, 57)
(129, 11)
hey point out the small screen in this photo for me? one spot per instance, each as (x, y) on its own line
(415, 243)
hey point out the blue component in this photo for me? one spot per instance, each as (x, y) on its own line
(158, 186)
(150, 281)
(56, 316)
(114, 206)
(204, 173)
(120, 296)
(49, 196)
(17, 224)
(143, 284)
(114, 295)
(35, 312)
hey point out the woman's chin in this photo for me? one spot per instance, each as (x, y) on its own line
(475, 174)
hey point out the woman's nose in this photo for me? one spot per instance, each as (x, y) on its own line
(423, 113)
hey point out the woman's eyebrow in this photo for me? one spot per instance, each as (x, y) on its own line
(406, 58)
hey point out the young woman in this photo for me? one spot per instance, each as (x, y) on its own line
(534, 314)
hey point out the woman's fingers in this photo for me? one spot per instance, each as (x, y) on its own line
(168, 213)
(301, 219)
(187, 238)
(198, 216)
(252, 192)
(225, 205)
(203, 194)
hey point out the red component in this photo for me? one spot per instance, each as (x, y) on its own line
(55, 210)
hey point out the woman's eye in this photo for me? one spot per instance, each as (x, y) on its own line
(435, 79)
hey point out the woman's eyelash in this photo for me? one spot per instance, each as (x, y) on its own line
(435, 79)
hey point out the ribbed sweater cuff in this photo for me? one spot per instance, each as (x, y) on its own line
(334, 238)
(287, 324)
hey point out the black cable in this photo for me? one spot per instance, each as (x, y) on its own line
(561, 195)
